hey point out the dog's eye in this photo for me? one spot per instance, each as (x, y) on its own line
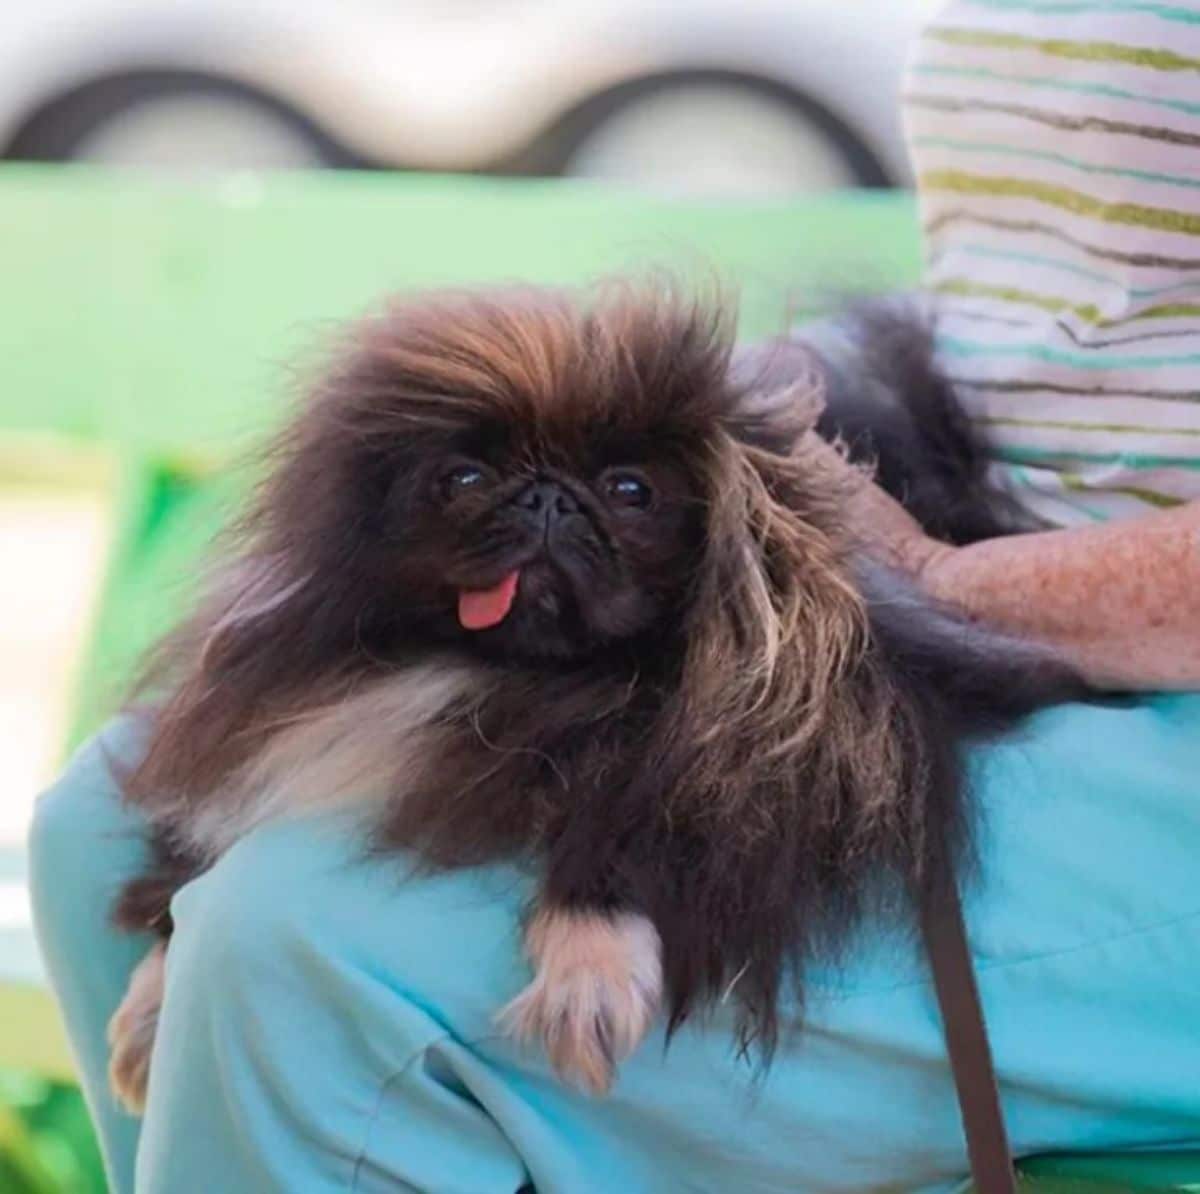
(460, 478)
(626, 489)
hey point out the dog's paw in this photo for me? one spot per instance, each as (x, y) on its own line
(596, 989)
(131, 1032)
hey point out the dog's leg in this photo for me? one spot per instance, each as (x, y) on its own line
(131, 1031)
(596, 988)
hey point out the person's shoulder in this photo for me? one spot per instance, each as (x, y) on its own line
(89, 783)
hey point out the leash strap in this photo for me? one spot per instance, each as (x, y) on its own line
(967, 1041)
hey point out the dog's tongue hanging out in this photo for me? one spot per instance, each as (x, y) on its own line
(480, 608)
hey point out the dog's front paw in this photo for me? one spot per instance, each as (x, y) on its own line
(131, 1032)
(596, 989)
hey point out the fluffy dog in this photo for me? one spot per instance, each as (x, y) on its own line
(564, 579)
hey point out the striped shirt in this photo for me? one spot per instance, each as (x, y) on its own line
(1056, 145)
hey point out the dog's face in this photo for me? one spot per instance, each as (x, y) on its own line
(537, 551)
(516, 473)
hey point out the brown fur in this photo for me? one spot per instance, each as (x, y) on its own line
(596, 988)
(700, 716)
(132, 1029)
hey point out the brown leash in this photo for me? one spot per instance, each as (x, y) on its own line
(967, 1041)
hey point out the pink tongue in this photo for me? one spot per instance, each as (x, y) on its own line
(480, 608)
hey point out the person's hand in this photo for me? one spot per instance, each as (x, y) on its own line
(878, 523)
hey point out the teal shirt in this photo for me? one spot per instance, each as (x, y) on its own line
(328, 1023)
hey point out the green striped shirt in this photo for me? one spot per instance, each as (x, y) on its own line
(1056, 145)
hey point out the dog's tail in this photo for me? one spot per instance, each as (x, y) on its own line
(888, 401)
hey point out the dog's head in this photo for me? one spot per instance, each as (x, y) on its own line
(532, 480)
(533, 469)
(524, 473)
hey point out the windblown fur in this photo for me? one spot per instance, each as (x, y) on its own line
(893, 409)
(708, 713)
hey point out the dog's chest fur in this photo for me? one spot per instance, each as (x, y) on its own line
(353, 754)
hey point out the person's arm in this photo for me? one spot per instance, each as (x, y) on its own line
(1120, 600)
(84, 843)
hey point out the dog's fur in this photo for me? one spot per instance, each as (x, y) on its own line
(717, 732)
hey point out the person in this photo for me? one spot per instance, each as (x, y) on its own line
(327, 1028)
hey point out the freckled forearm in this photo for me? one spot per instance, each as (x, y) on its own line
(1122, 600)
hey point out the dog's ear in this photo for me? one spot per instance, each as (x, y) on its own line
(219, 669)
(247, 597)
(761, 757)
(779, 394)
(776, 620)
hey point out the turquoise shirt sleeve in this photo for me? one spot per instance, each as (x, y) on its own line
(84, 843)
(278, 1065)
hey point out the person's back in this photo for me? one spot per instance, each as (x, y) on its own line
(1057, 153)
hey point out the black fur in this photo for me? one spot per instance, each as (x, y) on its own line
(891, 405)
(735, 756)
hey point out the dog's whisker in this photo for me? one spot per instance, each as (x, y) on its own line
(733, 982)
(519, 750)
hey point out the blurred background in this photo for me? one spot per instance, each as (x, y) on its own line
(718, 101)
(721, 97)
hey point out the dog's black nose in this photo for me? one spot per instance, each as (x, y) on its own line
(546, 501)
